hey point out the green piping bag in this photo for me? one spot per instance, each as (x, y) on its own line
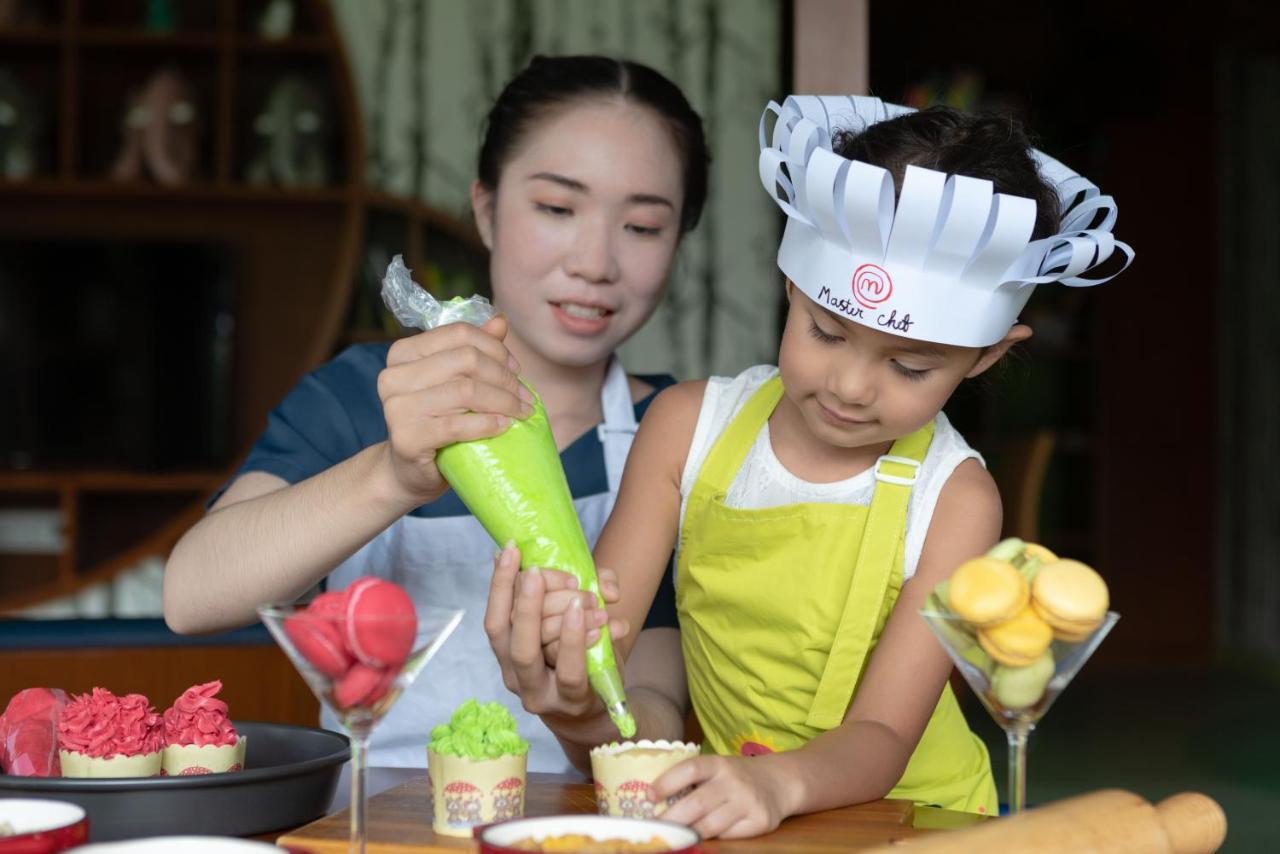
(514, 483)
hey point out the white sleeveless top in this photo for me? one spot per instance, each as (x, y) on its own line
(762, 481)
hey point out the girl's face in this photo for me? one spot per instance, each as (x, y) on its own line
(855, 387)
(583, 228)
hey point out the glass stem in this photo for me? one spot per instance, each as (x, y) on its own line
(1017, 733)
(359, 801)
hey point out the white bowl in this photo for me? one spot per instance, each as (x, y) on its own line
(181, 845)
(497, 838)
(41, 826)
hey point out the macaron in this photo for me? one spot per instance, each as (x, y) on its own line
(1017, 642)
(1022, 687)
(977, 656)
(381, 622)
(1071, 597)
(332, 605)
(384, 686)
(1009, 549)
(1034, 556)
(318, 640)
(359, 686)
(985, 591)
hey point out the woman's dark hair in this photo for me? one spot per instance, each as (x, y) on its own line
(979, 145)
(549, 83)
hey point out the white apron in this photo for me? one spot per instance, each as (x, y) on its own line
(448, 563)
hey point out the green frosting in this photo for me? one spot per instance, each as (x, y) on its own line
(479, 731)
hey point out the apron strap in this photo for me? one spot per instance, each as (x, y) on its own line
(619, 428)
(878, 560)
(730, 449)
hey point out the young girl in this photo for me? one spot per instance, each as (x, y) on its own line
(590, 171)
(816, 504)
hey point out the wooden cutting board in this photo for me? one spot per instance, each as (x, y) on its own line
(400, 823)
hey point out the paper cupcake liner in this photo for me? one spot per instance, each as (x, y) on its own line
(624, 774)
(186, 760)
(466, 793)
(76, 764)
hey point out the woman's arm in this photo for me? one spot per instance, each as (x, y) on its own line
(266, 541)
(904, 678)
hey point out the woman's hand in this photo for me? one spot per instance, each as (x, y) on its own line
(539, 626)
(733, 796)
(451, 384)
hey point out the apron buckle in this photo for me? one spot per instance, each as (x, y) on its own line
(885, 477)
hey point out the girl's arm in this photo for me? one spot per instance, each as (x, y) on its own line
(527, 608)
(641, 533)
(904, 677)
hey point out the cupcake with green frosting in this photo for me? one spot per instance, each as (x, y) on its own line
(476, 763)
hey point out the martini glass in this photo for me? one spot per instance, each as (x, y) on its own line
(1016, 697)
(359, 708)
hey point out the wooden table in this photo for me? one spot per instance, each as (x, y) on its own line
(400, 823)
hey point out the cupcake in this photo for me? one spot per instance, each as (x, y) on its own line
(624, 775)
(476, 763)
(102, 735)
(198, 736)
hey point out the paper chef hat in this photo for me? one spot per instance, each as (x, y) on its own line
(951, 262)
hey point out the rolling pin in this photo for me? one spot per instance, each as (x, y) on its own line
(1110, 820)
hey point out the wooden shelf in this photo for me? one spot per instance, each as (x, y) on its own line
(197, 191)
(108, 481)
(135, 40)
(463, 230)
(292, 45)
(291, 253)
(31, 37)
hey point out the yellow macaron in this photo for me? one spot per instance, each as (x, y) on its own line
(1022, 687)
(985, 591)
(1070, 597)
(1017, 642)
(1035, 551)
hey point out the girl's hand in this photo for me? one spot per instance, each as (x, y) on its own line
(520, 606)
(734, 796)
(451, 384)
(561, 589)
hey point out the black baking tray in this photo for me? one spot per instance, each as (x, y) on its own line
(289, 779)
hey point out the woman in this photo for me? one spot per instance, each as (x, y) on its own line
(590, 172)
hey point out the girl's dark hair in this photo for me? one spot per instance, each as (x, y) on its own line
(548, 83)
(979, 145)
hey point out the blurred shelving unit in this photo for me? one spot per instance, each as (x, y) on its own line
(274, 268)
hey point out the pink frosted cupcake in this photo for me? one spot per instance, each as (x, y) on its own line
(199, 738)
(102, 735)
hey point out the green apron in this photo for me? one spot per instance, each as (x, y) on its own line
(777, 622)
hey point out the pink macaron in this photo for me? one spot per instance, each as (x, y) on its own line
(381, 622)
(318, 639)
(359, 686)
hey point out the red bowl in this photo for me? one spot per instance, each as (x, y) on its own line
(498, 838)
(42, 827)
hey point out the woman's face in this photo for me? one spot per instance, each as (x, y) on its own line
(583, 228)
